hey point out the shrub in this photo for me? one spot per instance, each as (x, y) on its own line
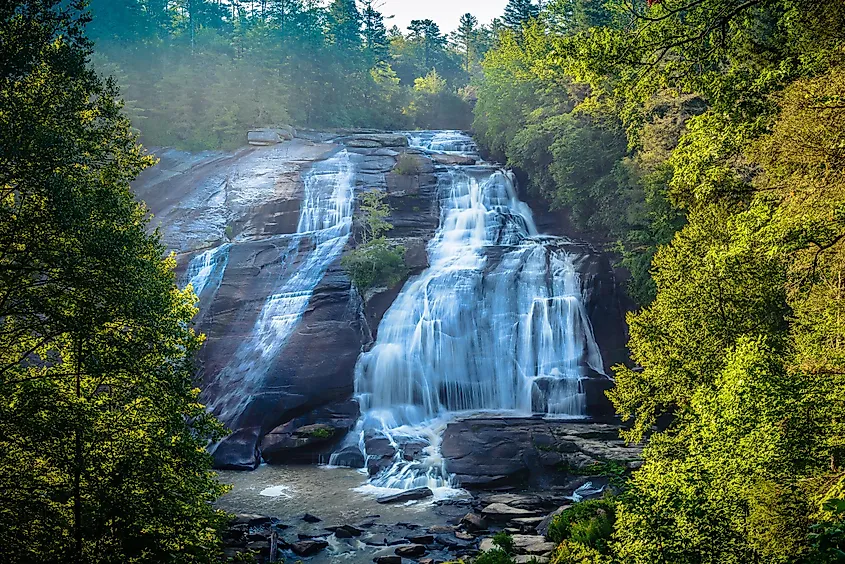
(374, 264)
(589, 523)
(407, 165)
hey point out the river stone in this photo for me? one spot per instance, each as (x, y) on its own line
(308, 518)
(309, 547)
(532, 544)
(410, 495)
(530, 559)
(388, 559)
(486, 545)
(375, 140)
(500, 511)
(411, 550)
(421, 539)
(473, 522)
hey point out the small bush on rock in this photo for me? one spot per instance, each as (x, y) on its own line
(407, 165)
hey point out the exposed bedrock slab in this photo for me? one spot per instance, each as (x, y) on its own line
(313, 370)
(491, 451)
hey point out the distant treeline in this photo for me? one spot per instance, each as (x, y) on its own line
(196, 74)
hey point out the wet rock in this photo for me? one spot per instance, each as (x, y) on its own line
(441, 529)
(411, 550)
(375, 140)
(473, 522)
(502, 512)
(312, 437)
(349, 457)
(464, 535)
(345, 531)
(251, 519)
(309, 547)
(388, 559)
(485, 452)
(451, 160)
(308, 518)
(530, 559)
(409, 495)
(451, 541)
(421, 539)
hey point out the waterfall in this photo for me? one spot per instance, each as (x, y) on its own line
(496, 323)
(324, 226)
(208, 268)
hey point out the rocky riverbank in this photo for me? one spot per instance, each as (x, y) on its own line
(529, 469)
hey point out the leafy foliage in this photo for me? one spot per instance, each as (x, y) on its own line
(704, 137)
(102, 436)
(376, 261)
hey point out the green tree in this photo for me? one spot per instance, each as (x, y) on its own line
(102, 438)
(465, 37)
(519, 12)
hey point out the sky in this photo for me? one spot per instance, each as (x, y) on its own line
(445, 13)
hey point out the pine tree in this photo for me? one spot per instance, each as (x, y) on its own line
(427, 33)
(376, 44)
(465, 37)
(102, 440)
(517, 12)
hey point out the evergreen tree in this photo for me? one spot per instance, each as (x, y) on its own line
(344, 25)
(465, 37)
(517, 12)
(102, 440)
(427, 34)
(376, 44)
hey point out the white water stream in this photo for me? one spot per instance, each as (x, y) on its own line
(496, 323)
(324, 226)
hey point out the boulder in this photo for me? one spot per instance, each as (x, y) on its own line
(502, 512)
(308, 518)
(375, 140)
(532, 544)
(543, 526)
(310, 438)
(270, 135)
(308, 547)
(409, 495)
(392, 559)
(411, 550)
(421, 539)
(473, 522)
(485, 452)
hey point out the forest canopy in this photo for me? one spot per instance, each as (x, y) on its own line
(196, 74)
(703, 140)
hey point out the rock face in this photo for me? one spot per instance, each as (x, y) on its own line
(311, 438)
(486, 452)
(246, 204)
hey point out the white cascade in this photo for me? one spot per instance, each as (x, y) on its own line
(325, 224)
(496, 323)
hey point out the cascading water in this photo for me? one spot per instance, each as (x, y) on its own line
(496, 323)
(324, 226)
(207, 269)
